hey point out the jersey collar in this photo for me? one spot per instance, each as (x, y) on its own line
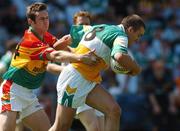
(122, 27)
(35, 33)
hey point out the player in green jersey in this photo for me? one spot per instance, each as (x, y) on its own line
(92, 119)
(79, 83)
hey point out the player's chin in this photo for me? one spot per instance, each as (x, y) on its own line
(45, 27)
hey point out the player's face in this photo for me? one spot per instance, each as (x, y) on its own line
(82, 20)
(41, 23)
(134, 36)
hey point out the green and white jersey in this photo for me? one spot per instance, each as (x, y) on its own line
(77, 33)
(105, 39)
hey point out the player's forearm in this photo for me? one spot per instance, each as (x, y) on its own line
(64, 56)
(127, 62)
(54, 68)
(43, 55)
(62, 43)
(88, 58)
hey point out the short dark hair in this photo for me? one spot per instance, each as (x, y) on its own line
(133, 20)
(33, 8)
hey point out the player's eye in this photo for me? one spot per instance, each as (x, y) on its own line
(44, 18)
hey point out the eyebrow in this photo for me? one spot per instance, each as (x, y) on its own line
(43, 17)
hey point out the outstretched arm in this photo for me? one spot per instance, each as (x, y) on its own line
(54, 68)
(64, 56)
(62, 43)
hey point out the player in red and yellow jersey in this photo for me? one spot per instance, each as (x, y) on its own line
(27, 71)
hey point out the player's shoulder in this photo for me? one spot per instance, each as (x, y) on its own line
(28, 39)
(110, 27)
(49, 39)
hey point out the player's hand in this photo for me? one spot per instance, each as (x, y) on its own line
(67, 39)
(90, 58)
(135, 72)
(62, 43)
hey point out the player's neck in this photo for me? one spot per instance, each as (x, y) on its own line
(39, 34)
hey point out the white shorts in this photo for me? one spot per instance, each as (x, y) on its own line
(17, 98)
(85, 107)
(72, 88)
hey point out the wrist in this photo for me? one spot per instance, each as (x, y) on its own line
(46, 55)
(79, 58)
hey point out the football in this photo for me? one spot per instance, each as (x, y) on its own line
(117, 68)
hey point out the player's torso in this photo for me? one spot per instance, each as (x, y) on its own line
(22, 63)
(100, 38)
(31, 46)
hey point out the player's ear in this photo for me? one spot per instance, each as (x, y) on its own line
(30, 21)
(130, 29)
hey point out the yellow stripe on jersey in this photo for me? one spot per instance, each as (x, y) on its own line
(91, 73)
(23, 60)
(70, 90)
(31, 66)
(19, 62)
(29, 51)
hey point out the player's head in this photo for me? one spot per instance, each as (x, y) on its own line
(134, 27)
(82, 18)
(37, 16)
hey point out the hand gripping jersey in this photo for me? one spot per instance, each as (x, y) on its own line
(27, 65)
(105, 39)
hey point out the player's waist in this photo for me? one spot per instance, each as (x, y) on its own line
(91, 73)
(24, 78)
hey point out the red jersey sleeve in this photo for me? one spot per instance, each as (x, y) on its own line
(50, 39)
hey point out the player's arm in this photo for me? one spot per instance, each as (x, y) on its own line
(5, 61)
(120, 54)
(54, 68)
(64, 56)
(127, 62)
(51, 54)
(63, 43)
